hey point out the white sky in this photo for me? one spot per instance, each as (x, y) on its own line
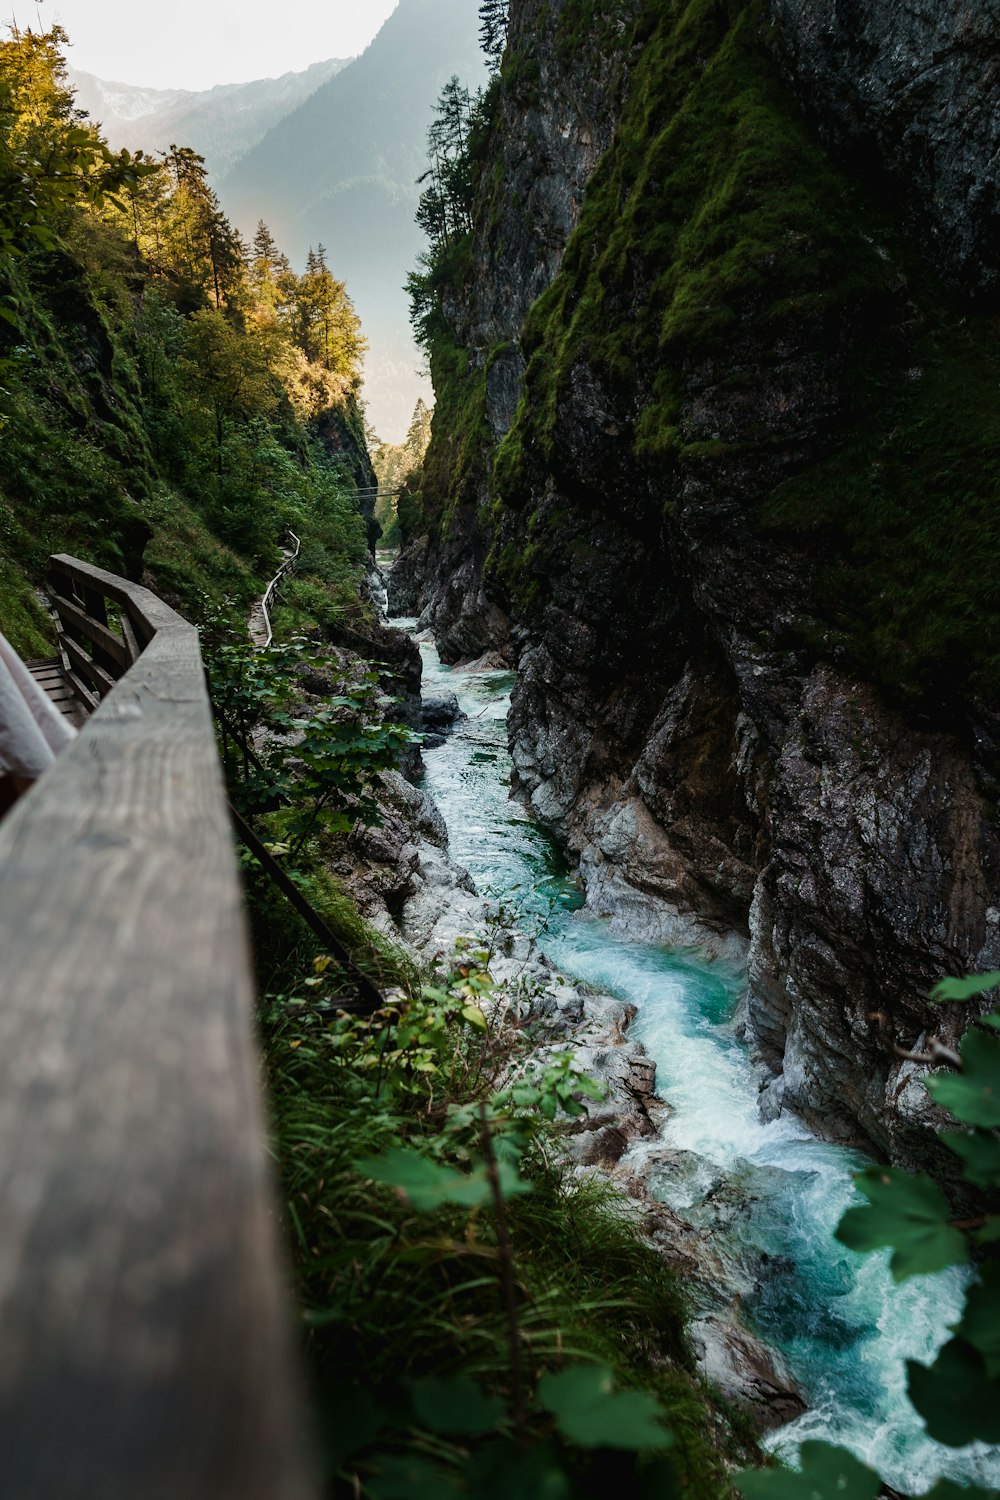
(193, 44)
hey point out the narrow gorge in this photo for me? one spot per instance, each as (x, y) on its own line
(713, 465)
(501, 914)
(807, 1340)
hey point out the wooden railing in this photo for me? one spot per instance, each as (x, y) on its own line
(290, 558)
(146, 1346)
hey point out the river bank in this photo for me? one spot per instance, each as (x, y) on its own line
(747, 1208)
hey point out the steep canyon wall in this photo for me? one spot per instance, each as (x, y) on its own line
(714, 462)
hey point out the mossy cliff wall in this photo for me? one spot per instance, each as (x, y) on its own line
(722, 396)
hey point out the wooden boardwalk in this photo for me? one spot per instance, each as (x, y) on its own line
(259, 626)
(49, 675)
(145, 1323)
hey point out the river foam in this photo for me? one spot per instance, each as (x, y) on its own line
(845, 1328)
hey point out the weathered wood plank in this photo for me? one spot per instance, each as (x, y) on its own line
(131, 639)
(146, 1338)
(146, 611)
(87, 667)
(95, 632)
(87, 697)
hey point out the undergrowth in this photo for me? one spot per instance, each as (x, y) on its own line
(477, 1321)
(401, 1257)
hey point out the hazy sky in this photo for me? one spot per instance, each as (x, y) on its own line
(192, 44)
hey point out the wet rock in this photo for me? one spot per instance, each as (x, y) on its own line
(745, 1371)
(440, 711)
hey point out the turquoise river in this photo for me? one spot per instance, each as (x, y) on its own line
(844, 1328)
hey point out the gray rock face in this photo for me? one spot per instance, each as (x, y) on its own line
(908, 90)
(440, 710)
(719, 783)
(552, 134)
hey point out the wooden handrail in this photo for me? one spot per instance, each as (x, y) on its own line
(272, 588)
(146, 1334)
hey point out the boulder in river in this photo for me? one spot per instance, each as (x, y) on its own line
(440, 711)
(745, 1371)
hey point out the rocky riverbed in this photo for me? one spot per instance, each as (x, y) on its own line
(806, 1337)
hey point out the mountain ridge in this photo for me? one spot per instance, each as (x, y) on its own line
(342, 168)
(221, 123)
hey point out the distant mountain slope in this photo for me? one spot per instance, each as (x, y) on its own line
(341, 169)
(222, 123)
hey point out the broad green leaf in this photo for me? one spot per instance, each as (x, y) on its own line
(973, 1095)
(955, 1396)
(589, 1411)
(949, 990)
(503, 1471)
(826, 1473)
(456, 1408)
(429, 1185)
(350, 1417)
(910, 1215)
(947, 1489)
(980, 1154)
(990, 1232)
(474, 1016)
(980, 1325)
(410, 1477)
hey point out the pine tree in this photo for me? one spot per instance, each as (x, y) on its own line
(328, 330)
(202, 246)
(494, 19)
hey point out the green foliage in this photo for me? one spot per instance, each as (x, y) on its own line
(826, 1472)
(316, 765)
(589, 1411)
(947, 990)
(397, 465)
(408, 1142)
(972, 1096)
(717, 234)
(455, 1408)
(909, 1213)
(159, 406)
(428, 1185)
(51, 159)
(958, 1396)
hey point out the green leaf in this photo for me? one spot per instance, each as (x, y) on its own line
(947, 1489)
(475, 1017)
(980, 1154)
(456, 1408)
(429, 1185)
(980, 1325)
(908, 1213)
(827, 1473)
(990, 1232)
(350, 1418)
(973, 1095)
(503, 1471)
(410, 1477)
(590, 1412)
(955, 1396)
(948, 990)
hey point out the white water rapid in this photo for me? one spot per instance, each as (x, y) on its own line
(844, 1327)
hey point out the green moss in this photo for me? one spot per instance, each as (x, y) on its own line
(22, 619)
(457, 462)
(910, 506)
(716, 232)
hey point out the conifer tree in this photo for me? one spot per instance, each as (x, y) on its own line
(494, 18)
(203, 247)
